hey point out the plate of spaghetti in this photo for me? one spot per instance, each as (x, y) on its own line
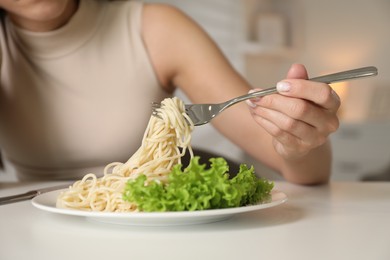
(121, 195)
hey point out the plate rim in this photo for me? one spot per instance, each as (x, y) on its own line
(36, 201)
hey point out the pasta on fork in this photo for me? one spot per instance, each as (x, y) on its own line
(167, 138)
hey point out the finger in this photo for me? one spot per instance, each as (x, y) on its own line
(287, 109)
(252, 102)
(284, 127)
(297, 71)
(285, 143)
(322, 95)
(319, 93)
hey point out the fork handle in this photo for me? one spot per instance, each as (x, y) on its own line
(347, 75)
(330, 78)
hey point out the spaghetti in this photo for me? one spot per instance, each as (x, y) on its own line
(167, 138)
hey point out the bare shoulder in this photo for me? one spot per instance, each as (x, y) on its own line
(174, 41)
(164, 24)
(163, 14)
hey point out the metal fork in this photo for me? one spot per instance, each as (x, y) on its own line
(201, 114)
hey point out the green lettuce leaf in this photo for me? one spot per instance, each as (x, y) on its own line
(199, 188)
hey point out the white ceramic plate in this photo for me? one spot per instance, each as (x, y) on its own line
(47, 202)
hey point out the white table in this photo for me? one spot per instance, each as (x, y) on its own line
(342, 220)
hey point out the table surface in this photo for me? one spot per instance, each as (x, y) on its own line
(342, 220)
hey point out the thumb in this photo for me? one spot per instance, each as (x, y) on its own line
(297, 71)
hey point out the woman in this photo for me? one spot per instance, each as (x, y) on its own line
(78, 78)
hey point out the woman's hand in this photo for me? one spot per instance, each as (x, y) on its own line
(301, 118)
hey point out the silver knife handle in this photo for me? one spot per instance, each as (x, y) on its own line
(19, 197)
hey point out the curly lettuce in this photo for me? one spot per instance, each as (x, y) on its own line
(199, 188)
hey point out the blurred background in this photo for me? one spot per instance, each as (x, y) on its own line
(262, 38)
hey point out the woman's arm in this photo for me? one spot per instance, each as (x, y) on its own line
(286, 131)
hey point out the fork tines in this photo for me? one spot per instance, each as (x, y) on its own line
(155, 106)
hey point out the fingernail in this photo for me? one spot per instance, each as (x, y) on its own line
(255, 99)
(283, 86)
(250, 103)
(335, 94)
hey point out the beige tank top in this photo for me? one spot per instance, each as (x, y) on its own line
(78, 98)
